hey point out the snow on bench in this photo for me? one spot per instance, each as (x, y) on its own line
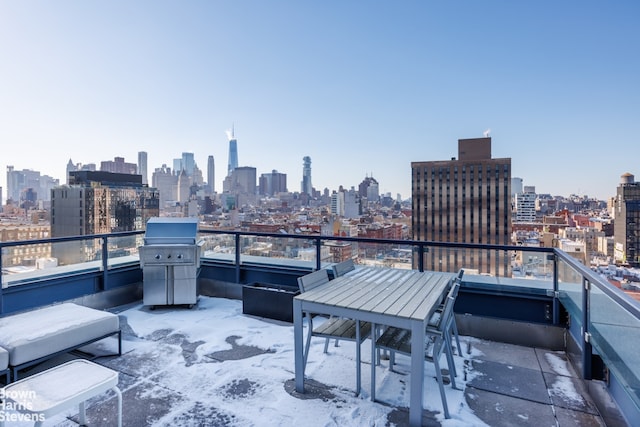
(37, 335)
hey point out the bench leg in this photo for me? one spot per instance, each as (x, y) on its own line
(119, 394)
(82, 413)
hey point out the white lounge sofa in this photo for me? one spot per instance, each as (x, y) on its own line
(37, 335)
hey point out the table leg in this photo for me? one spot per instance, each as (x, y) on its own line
(374, 335)
(358, 349)
(298, 345)
(417, 373)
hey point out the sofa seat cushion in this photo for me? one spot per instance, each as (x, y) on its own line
(45, 331)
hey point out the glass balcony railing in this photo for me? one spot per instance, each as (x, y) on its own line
(609, 320)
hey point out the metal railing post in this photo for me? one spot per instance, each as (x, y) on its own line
(318, 248)
(1, 290)
(237, 257)
(421, 258)
(556, 291)
(105, 262)
(586, 335)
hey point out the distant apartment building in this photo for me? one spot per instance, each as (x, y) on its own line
(606, 246)
(272, 183)
(184, 187)
(464, 200)
(525, 204)
(98, 203)
(241, 186)
(24, 184)
(166, 184)
(28, 255)
(365, 185)
(340, 251)
(337, 203)
(516, 186)
(577, 250)
(627, 222)
(118, 165)
(352, 207)
(587, 235)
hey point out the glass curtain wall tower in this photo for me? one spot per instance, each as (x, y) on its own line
(306, 176)
(233, 152)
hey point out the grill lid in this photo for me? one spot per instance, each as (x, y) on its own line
(171, 231)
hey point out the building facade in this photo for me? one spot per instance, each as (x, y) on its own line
(525, 203)
(97, 203)
(272, 183)
(118, 165)
(627, 222)
(467, 200)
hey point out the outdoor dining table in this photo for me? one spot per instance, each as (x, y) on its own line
(383, 296)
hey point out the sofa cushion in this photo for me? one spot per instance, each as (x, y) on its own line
(4, 359)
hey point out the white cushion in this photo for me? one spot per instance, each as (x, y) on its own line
(4, 359)
(38, 333)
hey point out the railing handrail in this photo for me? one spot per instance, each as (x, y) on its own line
(68, 238)
(611, 291)
(616, 294)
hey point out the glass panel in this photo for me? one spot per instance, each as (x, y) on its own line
(24, 263)
(616, 337)
(570, 288)
(283, 251)
(219, 247)
(380, 255)
(124, 249)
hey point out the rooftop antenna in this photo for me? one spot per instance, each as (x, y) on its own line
(486, 133)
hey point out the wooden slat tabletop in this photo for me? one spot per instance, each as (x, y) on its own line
(391, 292)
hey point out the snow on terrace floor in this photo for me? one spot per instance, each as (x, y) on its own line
(214, 366)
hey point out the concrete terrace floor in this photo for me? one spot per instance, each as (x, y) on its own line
(213, 366)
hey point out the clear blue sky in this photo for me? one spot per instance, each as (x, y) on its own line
(362, 87)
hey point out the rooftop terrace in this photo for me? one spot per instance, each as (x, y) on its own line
(213, 366)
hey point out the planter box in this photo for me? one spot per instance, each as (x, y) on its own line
(270, 301)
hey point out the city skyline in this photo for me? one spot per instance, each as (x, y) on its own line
(360, 89)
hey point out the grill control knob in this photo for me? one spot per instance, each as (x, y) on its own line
(179, 256)
(157, 256)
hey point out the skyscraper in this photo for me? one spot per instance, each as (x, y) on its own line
(188, 163)
(464, 201)
(211, 174)
(307, 188)
(272, 183)
(233, 152)
(142, 166)
(626, 227)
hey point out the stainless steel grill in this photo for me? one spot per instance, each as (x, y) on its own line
(170, 261)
